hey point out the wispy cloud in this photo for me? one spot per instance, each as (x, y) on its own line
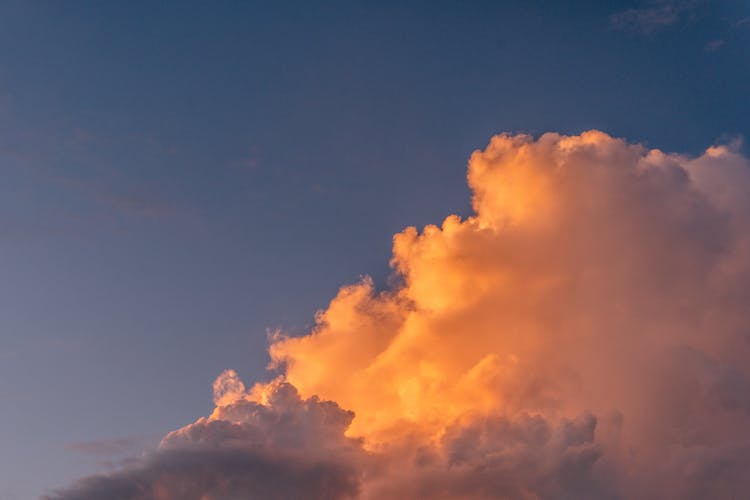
(136, 203)
(107, 447)
(112, 454)
(651, 17)
(714, 45)
(123, 199)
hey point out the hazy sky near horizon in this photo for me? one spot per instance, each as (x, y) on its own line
(181, 178)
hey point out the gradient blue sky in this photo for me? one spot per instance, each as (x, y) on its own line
(180, 177)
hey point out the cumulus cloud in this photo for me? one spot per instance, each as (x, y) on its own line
(583, 335)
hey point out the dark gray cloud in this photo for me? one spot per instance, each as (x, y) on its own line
(221, 473)
(290, 448)
(513, 457)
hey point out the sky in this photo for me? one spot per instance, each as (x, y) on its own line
(182, 180)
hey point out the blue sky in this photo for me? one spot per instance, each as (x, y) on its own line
(180, 178)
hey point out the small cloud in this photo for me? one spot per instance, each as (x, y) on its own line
(80, 138)
(733, 142)
(105, 447)
(135, 204)
(124, 200)
(248, 161)
(649, 19)
(244, 163)
(111, 454)
(713, 45)
(744, 22)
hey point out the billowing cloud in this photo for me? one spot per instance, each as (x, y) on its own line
(583, 335)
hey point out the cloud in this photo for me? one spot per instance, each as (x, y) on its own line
(714, 45)
(651, 17)
(123, 200)
(289, 448)
(136, 204)
(500, 457)
(584, 334)
(105, 447)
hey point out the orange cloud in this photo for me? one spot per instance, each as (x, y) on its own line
(582, 334)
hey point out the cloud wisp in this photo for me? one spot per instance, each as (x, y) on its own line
(651, 17)
(583, 335)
